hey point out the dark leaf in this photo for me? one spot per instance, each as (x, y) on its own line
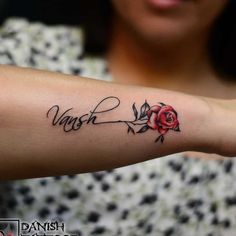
(163, 104)
(130, 130)
(144, 118)
(143, 110)
(161, 137)
(143, 129)
(142, 115)
(177, 129)
(135, 111)
(157, 139)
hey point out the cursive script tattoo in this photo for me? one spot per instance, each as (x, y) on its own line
(160, 118)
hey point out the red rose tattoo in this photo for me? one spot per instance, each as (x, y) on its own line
(162, 118)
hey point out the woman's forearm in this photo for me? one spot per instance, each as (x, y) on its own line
(54, 124)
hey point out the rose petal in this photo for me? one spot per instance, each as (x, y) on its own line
(168, 108)
(149, 113)
(163, 120)
(152, 121)
(155, 108)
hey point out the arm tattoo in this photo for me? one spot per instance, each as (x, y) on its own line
(160, 118)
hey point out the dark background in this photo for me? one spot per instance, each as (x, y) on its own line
(47, 11)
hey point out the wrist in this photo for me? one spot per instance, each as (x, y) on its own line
(217, 129)
(208, 126)
(223, 124)
(200, 122)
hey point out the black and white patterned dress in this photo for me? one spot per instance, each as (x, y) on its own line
(174, 195)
